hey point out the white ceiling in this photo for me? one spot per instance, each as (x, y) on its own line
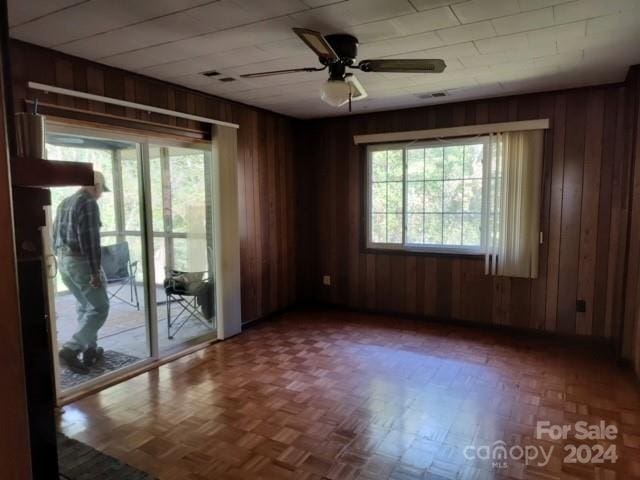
(491, 47)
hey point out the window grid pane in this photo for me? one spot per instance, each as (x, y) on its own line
(428, 195)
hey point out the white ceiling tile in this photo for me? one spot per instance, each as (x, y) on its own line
(486, 59)
(609, 39)
(91, 18)
(373, 31)
(162, 30)
(524, 21)
(509, 56)
(290, 47)
(536, 4)
(217, 61)
(601, 57)
(248, 35)
(354, 12)
(617, 21)
(502, 43)
(452, 52)
(396, 46)
(426, 21)
(467, 32)
(437, 86)
(429, 4)
(21, 11)
(593, 41)
(320, 3)
(86, 18)
(583, 9)
(476, 10)
(558, 32)
(230, 13)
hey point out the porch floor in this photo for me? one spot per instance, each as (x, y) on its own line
(125, 330)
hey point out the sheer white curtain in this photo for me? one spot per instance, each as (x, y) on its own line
(513, 175)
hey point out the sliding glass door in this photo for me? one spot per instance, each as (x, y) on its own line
(181, 207)
(156, 244)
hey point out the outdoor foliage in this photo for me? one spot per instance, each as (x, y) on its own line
(442, 188)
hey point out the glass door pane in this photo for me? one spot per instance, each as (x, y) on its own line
(180, 179)
(101, 326)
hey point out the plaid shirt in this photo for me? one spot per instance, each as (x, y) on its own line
(76, 229)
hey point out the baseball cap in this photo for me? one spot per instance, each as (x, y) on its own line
(98, 178)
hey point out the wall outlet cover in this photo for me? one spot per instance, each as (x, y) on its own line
(326, 280)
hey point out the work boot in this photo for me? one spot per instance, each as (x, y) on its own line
(70, 359)
(92, 355)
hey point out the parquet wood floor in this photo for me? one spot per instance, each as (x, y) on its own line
(312, 395)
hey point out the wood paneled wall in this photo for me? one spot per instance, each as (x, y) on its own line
(265, 154)
(301, 189)
(584, 200)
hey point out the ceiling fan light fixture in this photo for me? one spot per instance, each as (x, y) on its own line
(335, 92)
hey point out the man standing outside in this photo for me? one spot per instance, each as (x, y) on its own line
(76, 240)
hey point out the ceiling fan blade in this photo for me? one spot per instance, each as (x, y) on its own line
(281, 72)
(357, 90)
(316, 42)
(403, 65)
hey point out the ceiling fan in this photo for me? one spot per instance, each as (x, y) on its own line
(339, 51)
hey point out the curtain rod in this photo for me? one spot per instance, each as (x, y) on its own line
(124, 103)
(541, 124)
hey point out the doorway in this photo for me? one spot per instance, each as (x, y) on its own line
(157, 252)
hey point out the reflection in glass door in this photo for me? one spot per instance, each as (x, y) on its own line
(156, 242)
(101, 324)
(182, 218)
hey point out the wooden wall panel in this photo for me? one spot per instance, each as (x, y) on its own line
(265, 153)
(578, 213)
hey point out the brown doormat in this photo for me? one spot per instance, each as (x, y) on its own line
(77, 461)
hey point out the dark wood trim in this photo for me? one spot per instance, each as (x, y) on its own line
(34, 172)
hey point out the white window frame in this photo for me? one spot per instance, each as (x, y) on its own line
(423, 248)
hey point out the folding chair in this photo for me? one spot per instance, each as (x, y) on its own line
(192, 293)
(121, 272)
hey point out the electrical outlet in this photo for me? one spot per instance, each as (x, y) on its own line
(581, 306)
(326, 280)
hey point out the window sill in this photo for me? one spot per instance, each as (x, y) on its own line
(407, 252)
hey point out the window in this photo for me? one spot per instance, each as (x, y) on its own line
(427, 196)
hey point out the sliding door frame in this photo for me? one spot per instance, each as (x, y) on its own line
(147, 236)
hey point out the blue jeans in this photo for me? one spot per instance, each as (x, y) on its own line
(93, 303)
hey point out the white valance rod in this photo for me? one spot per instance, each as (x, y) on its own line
(486, 128)
(124, 103)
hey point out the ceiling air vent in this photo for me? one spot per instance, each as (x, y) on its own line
(228, 79)
(211, 73)
(432, 95)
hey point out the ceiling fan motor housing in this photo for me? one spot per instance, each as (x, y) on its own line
(345, 46)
